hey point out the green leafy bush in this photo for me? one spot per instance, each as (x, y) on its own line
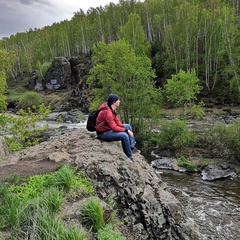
(30, 99)
(182, 90)
(175, 135)
(22, 128)
(224, 140)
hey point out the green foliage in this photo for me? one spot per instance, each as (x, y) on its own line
(22, 127)
(3, 103)
(51, 199)
(75, 233)
(66, 178)
(133, 33)
(10, 208)
(30, 99)
(15, 178)
(35, 203)
(175, 135)
(189, 34)
(49, 226)
(197, 109)
(31, 188)
(93, 214)
(80, 116)
(107, 233)
(117, 69)
(183, 162)
(204, 162)
(14, 146)
(182, 89)
(234, 95)
(224, 140)
(59, 119)
(7, 59)
(42, 69)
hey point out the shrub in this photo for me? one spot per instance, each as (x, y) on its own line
(29, 100)
(175, 135)
(224, 140)
(22, 129)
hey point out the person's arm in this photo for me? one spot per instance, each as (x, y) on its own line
(113, 122)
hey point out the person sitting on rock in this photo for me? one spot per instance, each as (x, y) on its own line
(110, 128)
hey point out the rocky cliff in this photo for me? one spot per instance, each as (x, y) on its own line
(143, 201)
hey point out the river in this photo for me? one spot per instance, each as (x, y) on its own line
(214, 205)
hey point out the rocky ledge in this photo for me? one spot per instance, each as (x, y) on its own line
(143, 201)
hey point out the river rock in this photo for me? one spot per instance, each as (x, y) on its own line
(143, 202)
(218, 171)
(167, 163)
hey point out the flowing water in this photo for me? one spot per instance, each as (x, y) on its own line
(214, 205)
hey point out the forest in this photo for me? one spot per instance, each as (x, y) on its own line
(183, 35)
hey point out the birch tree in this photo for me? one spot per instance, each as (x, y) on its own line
(133, 33)
(6, 60)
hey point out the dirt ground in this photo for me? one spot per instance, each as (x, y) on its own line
(25, 168)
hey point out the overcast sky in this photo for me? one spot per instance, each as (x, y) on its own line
(21, 15)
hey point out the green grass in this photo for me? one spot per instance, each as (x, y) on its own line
(80, 116)
(14, 95)
(107, 233)
(93, 214)
(30, 209)
(183, 162)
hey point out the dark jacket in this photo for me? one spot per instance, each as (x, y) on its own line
(108, 120)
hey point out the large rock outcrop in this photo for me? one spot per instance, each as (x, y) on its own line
(143, 201)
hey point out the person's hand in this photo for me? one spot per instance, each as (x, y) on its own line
(130, 133)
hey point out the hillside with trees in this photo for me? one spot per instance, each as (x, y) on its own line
(181, 35)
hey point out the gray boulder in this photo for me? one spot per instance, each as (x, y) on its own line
(218, 171)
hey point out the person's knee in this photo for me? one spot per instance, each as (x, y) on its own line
(125, 136)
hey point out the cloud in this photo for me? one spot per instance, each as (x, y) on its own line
(22, 15)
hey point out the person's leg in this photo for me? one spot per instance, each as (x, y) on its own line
(132, 139)
(118, 136)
